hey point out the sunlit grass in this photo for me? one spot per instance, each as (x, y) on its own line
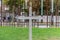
(19, 33)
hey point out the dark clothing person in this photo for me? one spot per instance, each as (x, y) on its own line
(9, 18)
(4, 18)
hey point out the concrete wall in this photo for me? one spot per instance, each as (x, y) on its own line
(49, 19)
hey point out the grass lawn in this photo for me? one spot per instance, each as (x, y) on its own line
(46, 33)
(14, 33)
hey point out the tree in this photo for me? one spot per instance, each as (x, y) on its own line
(35, 6)
(14, 5)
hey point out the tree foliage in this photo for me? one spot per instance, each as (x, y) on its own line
(14, 4)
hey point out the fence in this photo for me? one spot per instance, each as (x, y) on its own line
(28, 14)
(14, 18)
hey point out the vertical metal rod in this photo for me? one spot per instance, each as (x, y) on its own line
(56, 15)
(23, 14)
(52, 10)
(41, 7)
(14, 14)
(30, 21)
(52, 5)
(30, 29)
(14, 11)
(1, 12)
(56, 11)
(41, 11)
(47, 16)
(47, 11)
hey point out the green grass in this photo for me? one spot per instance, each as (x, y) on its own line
(14, 33)
(46, 33)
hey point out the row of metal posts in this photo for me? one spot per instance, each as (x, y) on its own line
(30, 14)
